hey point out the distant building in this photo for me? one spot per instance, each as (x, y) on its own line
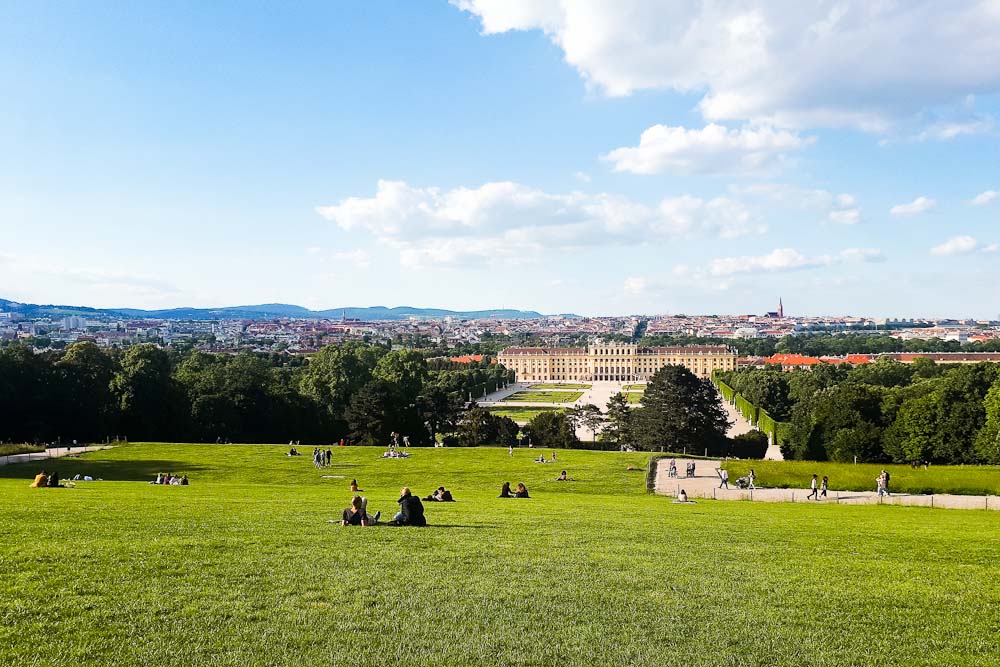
(617, 362)
(74, 323)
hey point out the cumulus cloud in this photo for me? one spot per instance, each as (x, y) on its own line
(358, 257)
(777, 261)
(841, 209)
(512, 222)
(635, 285)
(712, 149)
(984, 198)
(957, 245)
(804, 64)
(992, 247)
(915, 207)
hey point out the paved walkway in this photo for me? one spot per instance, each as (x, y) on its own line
(51, 453)
(705, 484)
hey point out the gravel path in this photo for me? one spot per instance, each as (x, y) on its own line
(51, 453)
(705, 484)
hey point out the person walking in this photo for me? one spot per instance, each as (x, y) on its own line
(510, 450)
(824, 485)
(723, 478)
(753, 478)
(814, 488)
(885, 474)
(880, 485)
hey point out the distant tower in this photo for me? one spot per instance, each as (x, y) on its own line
(343, 318)
(781, 308)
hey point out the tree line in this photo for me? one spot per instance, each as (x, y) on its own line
(881, 412)
(355, 391)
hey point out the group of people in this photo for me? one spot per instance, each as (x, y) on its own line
(672, 469)
(881, 483)
(170, 479)
(521, 491)
(440, 495)
(45, 480)
(818, 488)
(321, 459)
(541, 458)
(411, 511)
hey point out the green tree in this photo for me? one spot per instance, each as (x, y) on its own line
(146, 394)
(404, 370)
(87, 405)
(478, 426)
(988, 439)
(336, 373)
(914, 432)
(552, 428)
(679, 412)
(619, 419)
(370, 416)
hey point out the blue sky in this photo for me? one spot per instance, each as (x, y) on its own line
(592, 157)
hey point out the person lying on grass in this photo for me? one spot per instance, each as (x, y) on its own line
(441, 495)
(521, 491)
(356, 514)
(411, 510)
(562, 477)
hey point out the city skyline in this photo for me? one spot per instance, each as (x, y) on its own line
(524, 155)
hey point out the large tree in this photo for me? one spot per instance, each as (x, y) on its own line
(552, 428)
(619, 419)
(679, 412)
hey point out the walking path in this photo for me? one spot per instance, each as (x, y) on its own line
(51, 453)
(705, 484)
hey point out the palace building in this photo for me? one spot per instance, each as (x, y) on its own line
(616, 362)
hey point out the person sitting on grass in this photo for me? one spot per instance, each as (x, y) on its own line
(505, 491)
(354, 486)
(562, 477)
(411, 510)
(184, 480)
(54, 480)
(357, 514)
(682, 497)
(441, 495)
(41, 481)
(521, 491)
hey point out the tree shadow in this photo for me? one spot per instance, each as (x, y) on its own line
(111, 471)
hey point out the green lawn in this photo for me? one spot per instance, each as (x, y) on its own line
(242, 568)
(634, 396)
(529, 396)
(521, 415)
(964, 480)
(561, 386)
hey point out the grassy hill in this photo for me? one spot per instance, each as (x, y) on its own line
(242, 568)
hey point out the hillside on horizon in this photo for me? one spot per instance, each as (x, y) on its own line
(267, 311)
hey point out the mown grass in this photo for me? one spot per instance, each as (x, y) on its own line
(561, 386)
(242, 568)
(522, 415)
(545, 396)
(961, 480)
(12, 449)
(634, 397)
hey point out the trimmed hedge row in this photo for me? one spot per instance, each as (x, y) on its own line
(758, 417)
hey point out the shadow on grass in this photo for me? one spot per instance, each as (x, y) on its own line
(111, 471)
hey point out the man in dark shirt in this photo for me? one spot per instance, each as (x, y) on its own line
(411, 510)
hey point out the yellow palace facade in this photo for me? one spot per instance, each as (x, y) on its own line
(615, 362)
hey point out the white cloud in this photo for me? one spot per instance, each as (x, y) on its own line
(512, 222)
(803, 64)
(635, 285)
(984, 198)
(957, 245)
(777, 261)
(842, 209)
(948, 130)
(313, 250)
(582, 176)
(712, 149)
(915, 207)
(993, 247)
(358, 258)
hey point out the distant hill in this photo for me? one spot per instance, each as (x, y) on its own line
(266, 311)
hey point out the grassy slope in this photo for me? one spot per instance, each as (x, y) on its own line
(242, 569)
(966, 480)
(545, 396)
(10, 450)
